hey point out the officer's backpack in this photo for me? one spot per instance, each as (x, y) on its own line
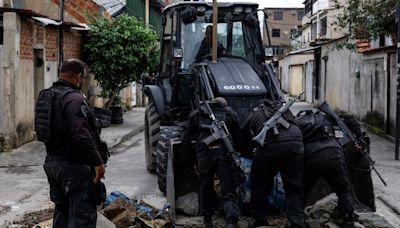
(314, 125)
(45, 116)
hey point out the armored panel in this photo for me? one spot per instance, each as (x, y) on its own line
(234, 76)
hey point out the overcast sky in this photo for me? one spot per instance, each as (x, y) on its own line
(280, 3)
(273, 3)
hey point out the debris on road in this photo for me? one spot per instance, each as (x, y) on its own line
(32, 219)
(153, 211)
(125, 213)
(324, 213)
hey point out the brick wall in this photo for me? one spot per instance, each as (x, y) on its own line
(33, 34)
(51, 44)
(26, 40)
(40, 33)
(72, 45)
(77, 9)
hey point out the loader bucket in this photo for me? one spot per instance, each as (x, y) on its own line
(181, 175)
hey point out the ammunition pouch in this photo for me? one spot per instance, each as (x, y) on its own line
(99, 192)
(103, 149)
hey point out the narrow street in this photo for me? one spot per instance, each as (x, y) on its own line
(126, 171)
(25, 187)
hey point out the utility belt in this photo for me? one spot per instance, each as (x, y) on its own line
(97, 191)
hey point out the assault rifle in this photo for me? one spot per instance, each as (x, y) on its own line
(272, 123)
(218, 128)
(349, 137)
(219, 131)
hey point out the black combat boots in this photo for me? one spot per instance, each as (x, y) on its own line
(208, 222)
(231, 223)
(261, 223)
(348, 221)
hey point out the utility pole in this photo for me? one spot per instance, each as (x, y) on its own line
(397, 139)
(147, 16)
(141, 98)
(61, 33)
(214, 32)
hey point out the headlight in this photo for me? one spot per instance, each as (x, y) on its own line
(201, 9)
(248, 10)
(238, 9)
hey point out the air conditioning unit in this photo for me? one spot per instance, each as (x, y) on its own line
(269, 12)
(294, 12)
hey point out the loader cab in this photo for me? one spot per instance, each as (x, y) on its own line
(186, 25)
(184, 42)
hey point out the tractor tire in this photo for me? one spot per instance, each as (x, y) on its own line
(167, 135)
(152, 134)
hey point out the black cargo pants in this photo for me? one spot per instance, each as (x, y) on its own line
(288, 159)
(71, 191)
(330, 164)
(211, 162)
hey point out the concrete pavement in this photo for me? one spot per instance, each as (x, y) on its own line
(24, 186)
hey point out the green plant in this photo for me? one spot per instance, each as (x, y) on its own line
(366, 19)
(119, 51)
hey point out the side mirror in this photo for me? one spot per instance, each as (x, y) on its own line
(189, 15)
(178, 54)
(268, 52)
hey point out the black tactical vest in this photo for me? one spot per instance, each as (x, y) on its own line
(49, 121)
(315, 126)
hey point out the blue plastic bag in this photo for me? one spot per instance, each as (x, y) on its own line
(277, 197)
(113, 196)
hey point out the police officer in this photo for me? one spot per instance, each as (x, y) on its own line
(213, 159)
(206, 45)
(281, 152)
(324, 158)
(65, 123)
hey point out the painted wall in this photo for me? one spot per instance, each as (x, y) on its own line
(10, 68)
(17, 94)
(285, 65)
(24, 102)
(1, 93)
(289, 21)
(370, 96)
(392, 94)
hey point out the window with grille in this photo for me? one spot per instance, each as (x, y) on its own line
(276, 33)
(278, 15)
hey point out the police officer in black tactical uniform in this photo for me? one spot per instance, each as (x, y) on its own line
(212, 159)
(281, 152)
(324, 158)
(75, 155)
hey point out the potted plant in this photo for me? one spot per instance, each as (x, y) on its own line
(116, 108)
(118, 51)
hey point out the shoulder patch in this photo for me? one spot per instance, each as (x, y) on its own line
(84, 109)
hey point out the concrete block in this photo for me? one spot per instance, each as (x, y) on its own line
(188, 203)
(154, 201)
(116, 208)
(103, 222)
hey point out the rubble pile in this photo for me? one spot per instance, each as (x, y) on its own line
(133, 214)
(324, 213)
(152, 211)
